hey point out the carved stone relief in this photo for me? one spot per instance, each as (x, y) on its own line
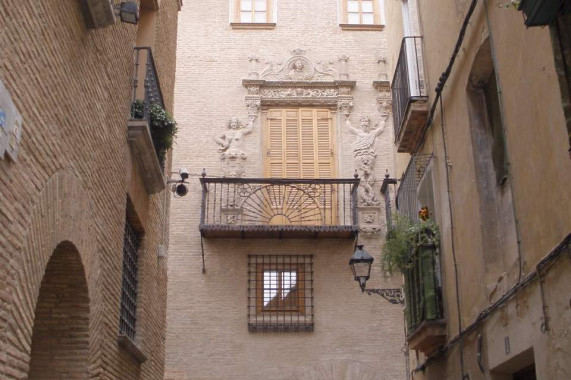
(300, 68)
(369, 220)
(364, 153)
(383, 62)
(231, 143)
(384, 97)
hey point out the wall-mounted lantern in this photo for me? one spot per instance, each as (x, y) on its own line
(360, 263)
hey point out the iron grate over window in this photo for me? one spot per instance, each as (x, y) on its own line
(280, 293)
(128, 317)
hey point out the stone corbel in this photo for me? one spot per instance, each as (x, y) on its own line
(345, 107)
(384, 97)
(254, 104)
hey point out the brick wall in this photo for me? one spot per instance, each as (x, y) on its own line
(355, 336)
(72, 86)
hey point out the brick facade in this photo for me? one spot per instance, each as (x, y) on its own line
(355, 336)
(63, 202)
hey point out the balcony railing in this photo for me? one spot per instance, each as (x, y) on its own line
(279, 208)
(407, 199)
(423, 293)
(408, 88)
(146, 86)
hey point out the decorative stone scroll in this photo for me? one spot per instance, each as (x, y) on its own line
(231, 143)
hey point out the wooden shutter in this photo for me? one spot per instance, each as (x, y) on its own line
(299, 144)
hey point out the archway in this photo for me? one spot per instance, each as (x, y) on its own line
(60, 337)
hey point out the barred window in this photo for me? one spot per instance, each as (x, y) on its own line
(280, 293)
(128, 317)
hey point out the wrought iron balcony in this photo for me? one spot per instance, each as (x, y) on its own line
(407, 195)
(150, 91)
(423, 302)
(410, 97)
(279, 208)
(146, 93)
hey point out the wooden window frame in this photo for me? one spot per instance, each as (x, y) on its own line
(296, 313)
(237, 23)
(266, 137)
(378, 22)
(280, 268)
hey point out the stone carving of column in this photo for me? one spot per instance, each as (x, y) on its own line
(343, 74)
(253, 73)
(383, 68)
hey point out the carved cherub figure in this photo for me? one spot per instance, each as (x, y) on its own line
(231, 142)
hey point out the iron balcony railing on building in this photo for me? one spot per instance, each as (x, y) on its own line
(407, 198)
(146, 85)
(279, 208)
(409, 84)
(423, 293)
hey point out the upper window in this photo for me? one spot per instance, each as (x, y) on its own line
(253, 14)
(361, 14)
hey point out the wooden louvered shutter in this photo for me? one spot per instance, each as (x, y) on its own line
(274, 163)
(299, 144)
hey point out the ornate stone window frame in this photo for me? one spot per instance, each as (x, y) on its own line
(263, 94)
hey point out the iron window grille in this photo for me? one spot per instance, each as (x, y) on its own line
(128, 316)
(280, 293)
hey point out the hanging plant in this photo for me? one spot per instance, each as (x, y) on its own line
(162, 124)
(404, 240)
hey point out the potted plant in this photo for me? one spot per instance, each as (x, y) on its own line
(410, 248)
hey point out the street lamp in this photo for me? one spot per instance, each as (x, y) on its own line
(360, 264)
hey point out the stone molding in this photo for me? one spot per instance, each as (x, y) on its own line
(335, 93)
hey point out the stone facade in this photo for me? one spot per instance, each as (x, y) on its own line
(505, 251)
(305, 61)
(63, 200)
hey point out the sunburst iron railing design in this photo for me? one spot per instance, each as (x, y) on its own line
(244, 204)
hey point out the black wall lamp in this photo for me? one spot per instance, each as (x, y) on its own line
(360, 264)
(128, 11)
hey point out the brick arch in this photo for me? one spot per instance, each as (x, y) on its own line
(62, 214)
(60, 338)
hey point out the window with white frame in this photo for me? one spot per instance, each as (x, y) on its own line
(253, 12)
(361, 14)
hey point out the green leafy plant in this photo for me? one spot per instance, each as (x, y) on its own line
(510, 4)
(403, 242)
(162, 124)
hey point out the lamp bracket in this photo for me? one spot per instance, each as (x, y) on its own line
(394, 296)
